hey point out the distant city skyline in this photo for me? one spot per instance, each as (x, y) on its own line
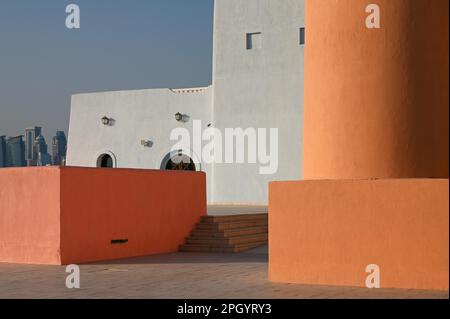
(31, 149)
(121, 45)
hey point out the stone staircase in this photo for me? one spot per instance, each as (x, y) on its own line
(228, 234)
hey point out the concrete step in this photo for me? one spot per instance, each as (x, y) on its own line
(241, 248)
(231, 225)
(229, 232)
(235, 218)
(225, 249)
(246, 239)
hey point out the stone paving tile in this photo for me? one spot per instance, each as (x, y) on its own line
(178, 276)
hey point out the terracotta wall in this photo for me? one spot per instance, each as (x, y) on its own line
(30, 215)
(154, 210)
(376, 101)
(376, 109)
(72, 215)
(328, 232)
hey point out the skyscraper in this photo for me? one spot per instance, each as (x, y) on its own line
(40, 146)
(3, 151)
(59, 148)
(15, 152)
(44, 159)
(31, 155)
(40, 150)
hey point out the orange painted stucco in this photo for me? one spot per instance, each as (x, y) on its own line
(154, 210)
(328, 232)
(30, 215)
(376, 100)
(71, 215)
(375, 134)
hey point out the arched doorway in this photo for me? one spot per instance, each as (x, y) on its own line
(178, 161)
(105, 161)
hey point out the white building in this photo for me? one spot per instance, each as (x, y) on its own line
(257, 83)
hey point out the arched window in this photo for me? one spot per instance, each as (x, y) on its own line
(105, 161)
(178, 162)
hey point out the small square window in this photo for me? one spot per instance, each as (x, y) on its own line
(254, 40)
(302, 36)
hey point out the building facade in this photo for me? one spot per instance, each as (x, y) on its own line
(40, 145)
(257, 75)
(15, 148)
(41, 149)
(31, 155)
(59, 148)
(3, 151)
(376, 150)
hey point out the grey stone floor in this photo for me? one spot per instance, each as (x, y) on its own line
(178, 276)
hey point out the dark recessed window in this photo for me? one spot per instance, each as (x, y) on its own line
(180, 163)
(254, 40)
(105, 161)
(302, 36)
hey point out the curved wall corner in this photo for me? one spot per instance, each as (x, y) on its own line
(376, 100)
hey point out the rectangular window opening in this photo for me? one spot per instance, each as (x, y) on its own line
(302, 36)
(254, 40)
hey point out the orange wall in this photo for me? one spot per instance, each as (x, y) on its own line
(70, 215)
(154, 210)
(376, 101)
(29, 215)
(327, 232)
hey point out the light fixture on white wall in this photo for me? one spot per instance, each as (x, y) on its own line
(146, 143)
(179, 117)
(107, 121)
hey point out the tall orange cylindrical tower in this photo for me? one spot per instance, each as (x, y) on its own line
(376, 100)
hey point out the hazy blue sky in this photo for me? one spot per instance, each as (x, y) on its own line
(122, 44)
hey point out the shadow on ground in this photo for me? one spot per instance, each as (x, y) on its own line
(258, 255)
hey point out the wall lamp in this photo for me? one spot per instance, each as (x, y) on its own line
(146, 143)
(107, 121)
(179, 117)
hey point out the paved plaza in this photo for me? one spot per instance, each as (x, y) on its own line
(178, 276)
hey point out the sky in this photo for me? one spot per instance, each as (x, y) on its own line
(121, 45)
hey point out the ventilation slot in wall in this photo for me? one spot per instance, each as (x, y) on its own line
(119, 241)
